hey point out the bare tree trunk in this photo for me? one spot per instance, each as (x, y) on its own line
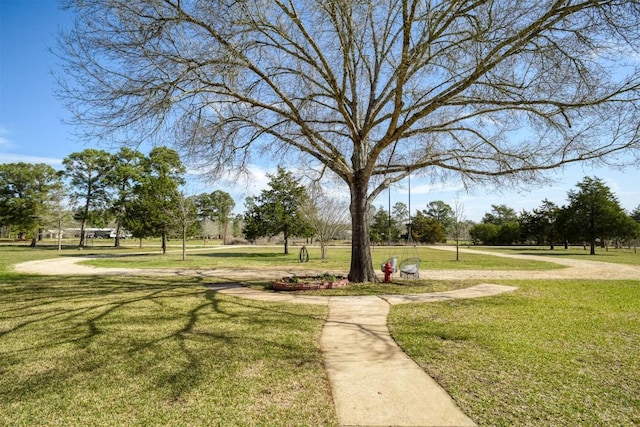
(117, 241)
(34, 240)
(164, 243)
(184, 242)
(59, 233)
(82, 232)
(361, 264)
(286, 243)
(83, 225)
(224, 232)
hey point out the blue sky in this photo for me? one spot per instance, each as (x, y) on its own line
(32, 130)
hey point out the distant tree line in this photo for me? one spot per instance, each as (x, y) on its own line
(141, 193)
(592, 215)
(428, 226)
(130, 190)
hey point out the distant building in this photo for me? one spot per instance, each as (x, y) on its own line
(90, 233)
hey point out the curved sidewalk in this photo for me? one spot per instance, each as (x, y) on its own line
(374, 383)
(573, 269)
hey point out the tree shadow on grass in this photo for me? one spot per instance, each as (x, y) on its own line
(164, 335)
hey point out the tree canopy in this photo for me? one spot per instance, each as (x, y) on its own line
(384, 227)
(371, 90)
(25, 192)
(125, 174)
(541, 225)
(441, 212)
(594, 212)
(500, 226)
(88, 173)
(278, 209)
(427, 229)
(217, 206)
(157, 207)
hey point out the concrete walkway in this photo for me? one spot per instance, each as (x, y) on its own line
(372, 380)
(574, 269)
(374, 383)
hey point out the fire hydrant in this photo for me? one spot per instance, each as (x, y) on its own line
(387, 272)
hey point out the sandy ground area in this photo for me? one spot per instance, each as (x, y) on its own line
(573, 269)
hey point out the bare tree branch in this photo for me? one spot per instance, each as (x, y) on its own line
(373, 90)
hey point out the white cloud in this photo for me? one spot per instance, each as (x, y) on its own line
(4, 141)
(255, 182)
(251, 184)
(15, 158)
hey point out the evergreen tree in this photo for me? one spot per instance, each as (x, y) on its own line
(500, 226)
(427, 229)
(155, 208)
(545, 222)
(441, 212)
(25, 190)
(88, 172)
(400, 214)
(383, 228)
(499, 215)
(216, 206)
(278, 210)
(122, 178)
(594, 212)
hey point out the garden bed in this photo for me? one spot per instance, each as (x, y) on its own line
(309, 283)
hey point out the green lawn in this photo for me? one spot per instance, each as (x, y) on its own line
(338, 259)
(146, 244)
(114, 350)
(618, 256)
(550, 354)
(110, 351)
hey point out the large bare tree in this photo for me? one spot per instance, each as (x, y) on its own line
(488, 90)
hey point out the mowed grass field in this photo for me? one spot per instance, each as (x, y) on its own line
(115, 351)
(625, 255)
(338, 259)
(166, 351)
(553, 353)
